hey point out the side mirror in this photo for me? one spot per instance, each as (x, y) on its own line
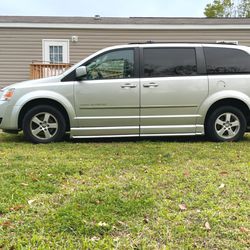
(81, 72)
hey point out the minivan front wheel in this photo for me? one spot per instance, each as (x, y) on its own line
(44, 124)
(226, 124)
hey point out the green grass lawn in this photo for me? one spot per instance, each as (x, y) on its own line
(128, 194)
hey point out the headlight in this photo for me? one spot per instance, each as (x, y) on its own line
(7, 94)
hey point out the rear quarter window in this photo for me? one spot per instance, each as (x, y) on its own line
(226, 61)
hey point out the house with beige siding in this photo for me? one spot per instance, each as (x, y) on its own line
(33, 47)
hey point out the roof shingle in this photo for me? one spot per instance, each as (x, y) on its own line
(124, 20)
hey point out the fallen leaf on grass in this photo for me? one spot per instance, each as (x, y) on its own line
(97, 202)
(224, 173)
(102, 224)
(146, 219)
(244, 230)
(186, 173)
(207, 226)
(24, 184)
(6, 224)
(183, 207)
(122, 223)
(30, 202)
(16, 208)
(95, 238)
(34, 179)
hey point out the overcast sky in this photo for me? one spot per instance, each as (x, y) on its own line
(115, 8)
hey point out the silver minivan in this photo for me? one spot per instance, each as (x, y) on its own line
(147, 89)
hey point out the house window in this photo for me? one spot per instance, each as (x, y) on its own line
(56, 51)
(56, 54)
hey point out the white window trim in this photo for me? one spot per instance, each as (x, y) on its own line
(44, 41)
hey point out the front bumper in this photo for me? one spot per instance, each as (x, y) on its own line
(8, 116)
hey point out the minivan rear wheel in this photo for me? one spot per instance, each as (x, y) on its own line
(44, 124)
(226, 123)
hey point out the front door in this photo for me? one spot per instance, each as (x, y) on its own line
(107, 99)
(171, 91)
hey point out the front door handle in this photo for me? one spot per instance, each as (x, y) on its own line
(150, 85)
(128, 85)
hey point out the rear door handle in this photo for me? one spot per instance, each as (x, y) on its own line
(150, 85)
(128, 85)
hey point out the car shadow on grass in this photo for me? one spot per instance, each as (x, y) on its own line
(141, 139)
(177, 139)
(19, 138)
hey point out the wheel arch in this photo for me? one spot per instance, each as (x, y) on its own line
(234, 102)
(43, 101)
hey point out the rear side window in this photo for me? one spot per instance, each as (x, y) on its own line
(226, 61)
(167, 62)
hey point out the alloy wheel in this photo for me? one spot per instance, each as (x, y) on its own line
(43, 126)
(227, 125)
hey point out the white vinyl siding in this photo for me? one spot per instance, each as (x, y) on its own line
(20, 46)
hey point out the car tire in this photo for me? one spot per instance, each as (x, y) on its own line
(44, 124)
(226, 123)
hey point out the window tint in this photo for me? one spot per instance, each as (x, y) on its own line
(160, 62)
(112, 65)
(226, 61)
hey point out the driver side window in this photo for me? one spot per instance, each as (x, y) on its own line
(117, 64)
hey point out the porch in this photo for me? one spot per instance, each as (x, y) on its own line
(45, 69)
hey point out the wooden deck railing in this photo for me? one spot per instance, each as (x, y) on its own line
(42, 69)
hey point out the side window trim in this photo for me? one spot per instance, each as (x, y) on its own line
(201, 62)
(141, 71)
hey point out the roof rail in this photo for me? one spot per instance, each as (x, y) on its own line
(228, 42)
(146, 42)
(217, 42)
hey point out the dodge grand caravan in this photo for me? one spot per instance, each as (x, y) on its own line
(148, 89)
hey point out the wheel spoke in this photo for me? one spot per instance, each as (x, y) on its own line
(235, 123)
(46, 117)
(228, 117)
(231, 133)
(52, 125)
(221, 132)
(220, 122)
(47, 134)
(36, 131)
(36, 120)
